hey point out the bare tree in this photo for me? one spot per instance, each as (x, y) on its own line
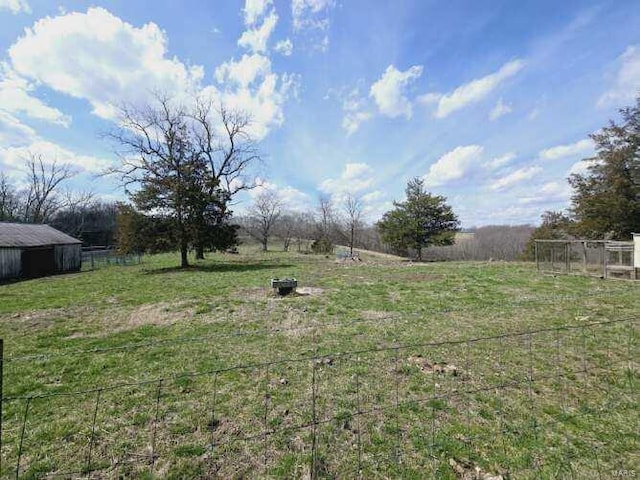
(42, 199)
(285, 229)
(223, 141)
(9, 199)
(263, 215)
(353, 219)
(189, 162)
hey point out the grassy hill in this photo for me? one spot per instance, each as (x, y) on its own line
(376, 369)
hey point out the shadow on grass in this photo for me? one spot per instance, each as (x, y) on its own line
(221, 267)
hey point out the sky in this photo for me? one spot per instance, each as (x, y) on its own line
(490, 102)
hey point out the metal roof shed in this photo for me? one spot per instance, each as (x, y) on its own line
(29, 251)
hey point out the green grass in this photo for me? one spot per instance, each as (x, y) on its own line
(376, 410)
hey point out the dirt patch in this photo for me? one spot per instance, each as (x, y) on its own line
(466, 470)
(159, 314)
(378, 315)
(436, 367)
(309, 291)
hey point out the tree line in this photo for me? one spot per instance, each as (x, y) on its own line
(605, 204)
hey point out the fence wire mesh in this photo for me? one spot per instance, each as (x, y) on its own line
(539, 403)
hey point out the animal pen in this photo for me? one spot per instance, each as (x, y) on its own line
(602, 258)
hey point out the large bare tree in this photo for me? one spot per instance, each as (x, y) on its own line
(42, 198)
(186, 161)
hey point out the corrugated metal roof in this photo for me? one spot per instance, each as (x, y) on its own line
(28, 235)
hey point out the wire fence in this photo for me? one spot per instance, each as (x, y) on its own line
(96, 258)
(549, 402)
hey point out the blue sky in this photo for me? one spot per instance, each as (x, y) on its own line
(491, 102)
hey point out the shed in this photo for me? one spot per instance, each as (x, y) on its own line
(29, 251)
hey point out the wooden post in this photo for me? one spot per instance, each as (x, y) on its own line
(604, 260)
(567, 257)
(536, 254)
(584, 257)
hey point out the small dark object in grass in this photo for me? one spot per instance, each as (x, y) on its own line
(284, 286)
(213, 424)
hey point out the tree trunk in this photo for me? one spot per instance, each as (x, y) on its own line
(419, 251)
(264, 245)
(184, 261)
(199, 251)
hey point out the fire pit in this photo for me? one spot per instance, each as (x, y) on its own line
(284, 286)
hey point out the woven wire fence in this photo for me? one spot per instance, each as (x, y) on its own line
(543, 403)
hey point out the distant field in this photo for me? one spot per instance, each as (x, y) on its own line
(376, 369)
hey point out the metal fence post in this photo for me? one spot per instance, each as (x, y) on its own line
(1, 396)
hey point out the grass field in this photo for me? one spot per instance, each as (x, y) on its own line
(376, 369)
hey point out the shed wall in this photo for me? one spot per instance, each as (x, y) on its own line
(10, 263)
(68, 258)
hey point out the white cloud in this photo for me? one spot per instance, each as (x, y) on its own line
(291, 197)
(627, 82)
(389, 91)
(429, 98)
(354, 111)
(13, 132)
(98, 57)
(500, 110)
(355, 179)
(15, 6)
(582, 147)
(284, 47)
(500, 161)
(249, 85)
(476, 90)
(255, 39)
(15, 156)
(453, 165)
(550, 192)
(245, 71)
(515, 177)
(15, 97)
(311, 14)
(254, 9)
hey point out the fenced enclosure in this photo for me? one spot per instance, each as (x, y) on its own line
(97, 257)
(542, 403)
(601, 258)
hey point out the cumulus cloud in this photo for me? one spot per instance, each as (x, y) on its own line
(476, 90)
(15, 156)
(15, 6)
(97, 57)
(284, 47)
(627, 81)
(582, 147)
(355, 179)
(254, 9)
(15, 97)
(250, 85)
(245, 71)
(389, 91)
(453, 165)
(255, 39)
(500, 110)
(515, 177)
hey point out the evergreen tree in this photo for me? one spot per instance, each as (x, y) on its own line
(421, 220)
